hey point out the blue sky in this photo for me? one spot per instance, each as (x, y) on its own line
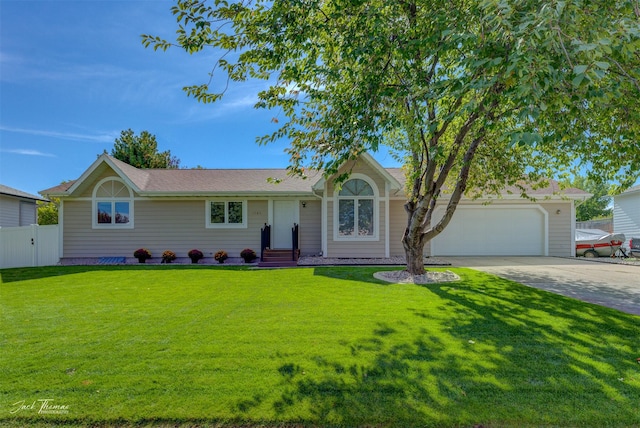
(73, 74)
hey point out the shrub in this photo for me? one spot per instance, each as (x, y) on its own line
(221, 256)
(142, 253)
(168, 256)
(248, 255)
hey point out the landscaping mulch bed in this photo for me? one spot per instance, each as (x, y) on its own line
(237, 261)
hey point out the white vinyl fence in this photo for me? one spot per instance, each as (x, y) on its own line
(29, 246)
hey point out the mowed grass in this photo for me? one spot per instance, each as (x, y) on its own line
(190, 345)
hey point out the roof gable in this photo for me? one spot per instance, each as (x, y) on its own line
(394, 183)
(132, 176)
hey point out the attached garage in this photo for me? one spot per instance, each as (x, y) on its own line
(493, 230)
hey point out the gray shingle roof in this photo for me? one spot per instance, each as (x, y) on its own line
(553, 188)
(245, 181)
(224, 181)
(6, 190)
(215, 180)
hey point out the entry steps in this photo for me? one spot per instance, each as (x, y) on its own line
(279, 258)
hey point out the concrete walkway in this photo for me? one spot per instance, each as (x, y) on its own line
(613, 285)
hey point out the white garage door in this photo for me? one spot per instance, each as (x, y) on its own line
(492, 231)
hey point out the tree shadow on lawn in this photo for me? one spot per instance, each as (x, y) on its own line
(493, 352)
(29, 273)
(354, 273)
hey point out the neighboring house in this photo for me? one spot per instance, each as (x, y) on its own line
(626, 214)
(17, 208)
(605, 224)
(114, 208)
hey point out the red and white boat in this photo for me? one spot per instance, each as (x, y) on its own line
(597, 243)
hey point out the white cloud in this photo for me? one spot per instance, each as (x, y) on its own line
(93, 138)
(240, 97)
(28, 152)
(246, 101)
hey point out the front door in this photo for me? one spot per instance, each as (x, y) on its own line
(285, 214)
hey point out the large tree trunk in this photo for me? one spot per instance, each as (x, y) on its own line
(415, 260)
(419, 214)
(414, 250)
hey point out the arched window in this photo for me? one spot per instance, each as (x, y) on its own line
(356, 210)
(112, 204)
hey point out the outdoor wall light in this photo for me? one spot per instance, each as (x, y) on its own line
(304, 204)
(558, 211)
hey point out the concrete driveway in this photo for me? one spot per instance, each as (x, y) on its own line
(608, 284)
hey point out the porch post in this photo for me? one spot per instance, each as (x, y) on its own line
(386, 219)
(324, 221)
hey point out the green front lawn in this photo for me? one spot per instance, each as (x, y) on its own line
(310, 346)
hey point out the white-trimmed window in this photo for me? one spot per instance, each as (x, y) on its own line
(226, 214)
(355, 212)
(112, 204)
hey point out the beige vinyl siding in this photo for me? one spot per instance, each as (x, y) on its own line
(559, 230)
(176, 225)
(351, 249)
(397, 224)
(311, 228)
(9, 211)
(363, 249)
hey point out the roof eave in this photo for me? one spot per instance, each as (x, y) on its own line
(394, 184)
(629, 192)
(60, 194)
(31, 198)
(514, 197)
(280, 194)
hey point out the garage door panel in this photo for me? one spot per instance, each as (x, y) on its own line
(492, 231)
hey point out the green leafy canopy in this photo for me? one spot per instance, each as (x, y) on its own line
(471, 95)
(348, 73)
(597, 206)
(48, 211)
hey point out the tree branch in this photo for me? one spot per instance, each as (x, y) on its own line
(624, 72)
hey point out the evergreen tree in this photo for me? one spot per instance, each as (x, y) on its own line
(141, 151)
